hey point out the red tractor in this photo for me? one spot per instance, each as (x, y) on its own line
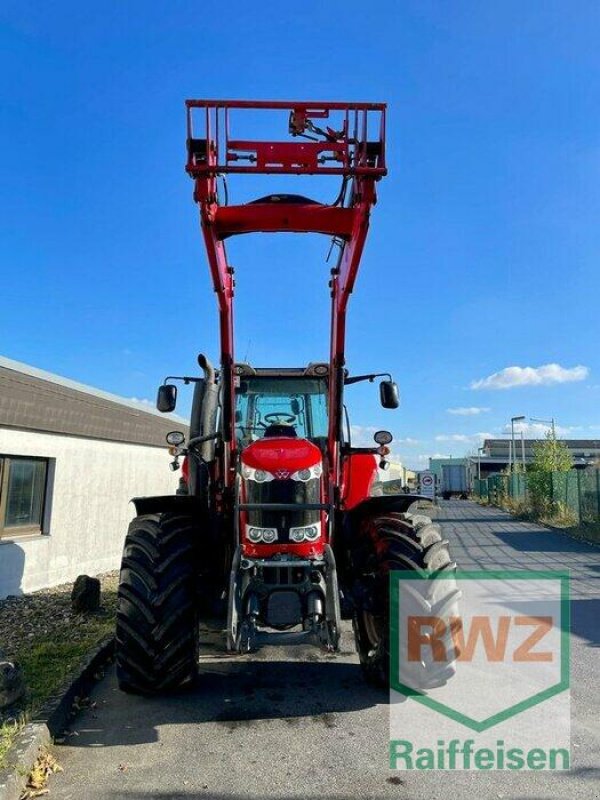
(275, 523)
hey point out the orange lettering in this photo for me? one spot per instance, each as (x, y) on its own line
(495, 649)
(543, 625)
(416, 638)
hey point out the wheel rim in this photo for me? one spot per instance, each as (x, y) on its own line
(372, 629)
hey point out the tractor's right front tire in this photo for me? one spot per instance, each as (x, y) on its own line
(157, 616)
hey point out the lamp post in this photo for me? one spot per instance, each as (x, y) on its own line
(546, 422)
(512, 437)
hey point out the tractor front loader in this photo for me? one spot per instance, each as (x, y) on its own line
(276, 524)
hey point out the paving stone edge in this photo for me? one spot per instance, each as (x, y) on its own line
(51, 720)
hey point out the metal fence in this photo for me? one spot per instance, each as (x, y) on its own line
(577, 490)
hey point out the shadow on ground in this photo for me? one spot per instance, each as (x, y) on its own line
(478, 520)
(233, 694)
(585, 620)
(551, 542)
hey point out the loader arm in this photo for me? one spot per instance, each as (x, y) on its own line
(355, 152)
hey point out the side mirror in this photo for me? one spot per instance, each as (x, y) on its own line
(295, 406)
(166, 400)
(389, 394)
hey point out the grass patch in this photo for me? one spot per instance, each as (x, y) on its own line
(8, 731)
(559, 516)
(49, 641)
(587, 532)
(555, 515)
(47, 665)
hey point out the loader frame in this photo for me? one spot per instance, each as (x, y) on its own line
(355, 153)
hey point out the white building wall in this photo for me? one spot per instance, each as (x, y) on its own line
(87, 511)
(395, 472)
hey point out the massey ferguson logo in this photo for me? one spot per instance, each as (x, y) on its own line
(282, 474)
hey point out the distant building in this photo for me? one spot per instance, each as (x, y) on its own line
(398, 472)
(71, 458)
(495, 455)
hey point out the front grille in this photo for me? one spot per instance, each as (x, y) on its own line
(283, 576)
(285, 491)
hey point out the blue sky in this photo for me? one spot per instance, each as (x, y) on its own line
(484, 247)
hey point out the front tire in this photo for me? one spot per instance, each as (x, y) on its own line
(389, 543)
(157, 616)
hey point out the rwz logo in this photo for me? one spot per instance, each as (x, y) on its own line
(493, 634)
(479, 647)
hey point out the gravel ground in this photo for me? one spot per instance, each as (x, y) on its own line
(45, 619)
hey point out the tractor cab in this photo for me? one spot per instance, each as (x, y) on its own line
(272, 403)
(281, 433)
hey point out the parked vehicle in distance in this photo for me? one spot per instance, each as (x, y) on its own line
(454, 482)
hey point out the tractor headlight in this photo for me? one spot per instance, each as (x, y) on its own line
(258, 535)
(305, 533)
(307, 474)
(258, 475)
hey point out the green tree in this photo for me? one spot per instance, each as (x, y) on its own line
(550, 455)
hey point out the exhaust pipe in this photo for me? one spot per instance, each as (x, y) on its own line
(207, 368)
(210, 402)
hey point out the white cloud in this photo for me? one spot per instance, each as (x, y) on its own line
(538, 430)
(545, 375)
(469, 411)
(362, 435)
(142, 400)
(466, 438)
(423, 458)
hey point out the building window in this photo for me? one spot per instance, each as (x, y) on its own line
(22, 495)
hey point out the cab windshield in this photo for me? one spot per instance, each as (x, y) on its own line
(296, 403)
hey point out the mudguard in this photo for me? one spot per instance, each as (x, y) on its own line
(169, 504)
(351, 524)
(374, 506)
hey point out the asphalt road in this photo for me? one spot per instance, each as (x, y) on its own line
(295, 723)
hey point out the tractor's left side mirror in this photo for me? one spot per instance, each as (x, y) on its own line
(166, 400)
(389, 394)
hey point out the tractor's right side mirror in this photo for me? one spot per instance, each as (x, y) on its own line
(389, 394)
(166, 400)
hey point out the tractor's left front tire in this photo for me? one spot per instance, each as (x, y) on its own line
(157, 617)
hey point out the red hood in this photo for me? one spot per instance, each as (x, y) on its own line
(282, 452)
